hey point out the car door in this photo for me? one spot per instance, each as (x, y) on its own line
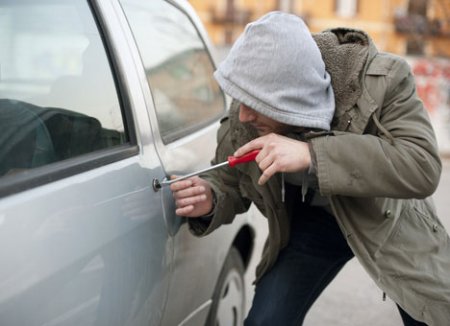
(83, 239)
(185, 102)
(185, 105)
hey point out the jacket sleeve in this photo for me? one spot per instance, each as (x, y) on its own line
(225, 185)
(400, 160)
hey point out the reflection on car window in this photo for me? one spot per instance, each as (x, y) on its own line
(178, 68)
(58, 98)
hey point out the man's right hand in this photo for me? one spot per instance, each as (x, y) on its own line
(193, 197)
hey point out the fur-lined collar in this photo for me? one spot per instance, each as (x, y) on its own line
(345, 52)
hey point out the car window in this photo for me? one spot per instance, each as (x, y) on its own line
(179, 70)
(58, 98)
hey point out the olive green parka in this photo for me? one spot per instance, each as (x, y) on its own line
(378, 166)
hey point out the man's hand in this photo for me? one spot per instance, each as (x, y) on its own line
(193, 197)
(278, 154)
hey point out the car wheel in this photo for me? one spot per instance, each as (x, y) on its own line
(229, 296)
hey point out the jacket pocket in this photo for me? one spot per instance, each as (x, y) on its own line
(415, 245)
(415, 260)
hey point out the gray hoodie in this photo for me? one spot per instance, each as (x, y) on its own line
(276, 68)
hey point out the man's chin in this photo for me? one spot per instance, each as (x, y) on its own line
(261, 132)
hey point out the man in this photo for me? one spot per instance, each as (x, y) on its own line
(347, 161)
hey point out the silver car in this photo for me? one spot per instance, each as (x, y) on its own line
(99, 100)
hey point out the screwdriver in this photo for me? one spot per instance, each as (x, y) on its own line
(232, 161)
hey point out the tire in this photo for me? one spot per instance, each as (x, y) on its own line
(228, 304)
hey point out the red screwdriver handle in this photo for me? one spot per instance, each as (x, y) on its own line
(250, 156)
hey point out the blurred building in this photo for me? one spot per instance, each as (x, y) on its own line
(405, 27)
(419, 30)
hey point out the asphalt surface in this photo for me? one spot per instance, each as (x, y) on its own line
(353, 299)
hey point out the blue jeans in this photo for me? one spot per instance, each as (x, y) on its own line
(316, 252)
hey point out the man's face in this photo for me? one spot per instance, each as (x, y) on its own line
(263, 124)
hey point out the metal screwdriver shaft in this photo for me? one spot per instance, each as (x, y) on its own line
(168, 182)
(232, 161)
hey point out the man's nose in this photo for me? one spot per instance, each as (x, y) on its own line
(246, 114)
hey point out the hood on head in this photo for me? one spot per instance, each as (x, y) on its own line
(275, 67)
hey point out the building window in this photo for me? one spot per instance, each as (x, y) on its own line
(346, 8)
(418, 7)
(415, 46)
(286, 5)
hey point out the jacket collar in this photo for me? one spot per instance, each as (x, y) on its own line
(347, 54)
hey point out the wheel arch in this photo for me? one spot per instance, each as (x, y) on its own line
(244, 242)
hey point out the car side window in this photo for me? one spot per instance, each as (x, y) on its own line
(58, 98)
(179, 70)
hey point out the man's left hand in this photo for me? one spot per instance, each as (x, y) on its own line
(278, 154)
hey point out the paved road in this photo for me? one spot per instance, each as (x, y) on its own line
(353, 299)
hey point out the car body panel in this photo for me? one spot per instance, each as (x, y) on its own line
(97, 244)
(180, 157)
(66, 258)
